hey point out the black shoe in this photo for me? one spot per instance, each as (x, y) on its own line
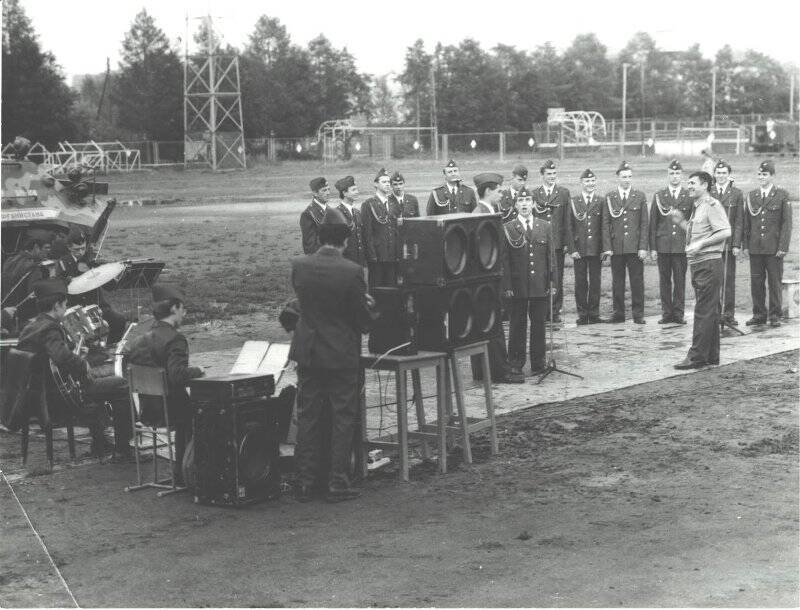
(774, 323)
(342, 495)
(755, 322)
(665, 320)
(595, 320)
(303, 493)
(730, 321)
(688, 364)
(679, 320)
(539, 368)
(615, 320)
(639, 321)
(557, 319)
(713, 362)
(582, 321)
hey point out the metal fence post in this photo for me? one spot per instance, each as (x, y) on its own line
(501, 144)
(445, 153)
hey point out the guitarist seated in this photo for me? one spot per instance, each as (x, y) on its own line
(45, 335)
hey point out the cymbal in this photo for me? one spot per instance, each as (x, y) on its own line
(95, 278)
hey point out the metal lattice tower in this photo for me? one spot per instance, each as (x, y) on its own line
(212, 108)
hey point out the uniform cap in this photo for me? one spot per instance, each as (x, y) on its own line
(381, 173)
(767, 166)
(523, 193)
(317, 183)
(547, 165)
(623, 166)
(675, 165)
(164, 292)
(521, 171)
(723, 164)
(397, 178)
(451, 163)
(345, 183)
(587, 173)
(487, 177)
(49, 287)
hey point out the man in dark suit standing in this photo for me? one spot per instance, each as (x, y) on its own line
(668, 244)
(767, 234)
(334, 312)
(551, 203)
(380, 234)
(402, 204)
(625, 239)
(452, 196)
(585, 218)
(348, 193)
(732, 200)
(312, 216)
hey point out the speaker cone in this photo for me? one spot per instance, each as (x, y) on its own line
(460, 315)
(487, 244)
(487, 302)
(455, 249)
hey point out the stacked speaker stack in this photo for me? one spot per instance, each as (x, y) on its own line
(449, 284)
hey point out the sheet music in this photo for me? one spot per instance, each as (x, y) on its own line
(275, 360)
(250, 357)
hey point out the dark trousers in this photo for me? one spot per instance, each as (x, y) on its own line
(672, 284)
(558, 283)
(108, 387)
(339, 389)
(587, 286)
(382, 273)
(635, 266)
(521, 311)
(729, 307)
(766, 268)
(498, 357)
(706, 281)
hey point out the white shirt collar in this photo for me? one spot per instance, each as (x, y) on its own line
(384, 198)
(623, 193)
(766, 190)
(527, 222)
(320, 204)
(586, 196)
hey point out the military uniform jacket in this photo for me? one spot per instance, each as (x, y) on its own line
(767, 221)
(508, 204)
(625, 229)
(526, 268)
(442, 201)
(355, 250)
(732, 200)
(408, 208)
(310, 220)
(665, 236)
(333, 310)
(164, 347)
(14, 270)
(585, 225)
(556, 216)
(380, 230)
(44, 335)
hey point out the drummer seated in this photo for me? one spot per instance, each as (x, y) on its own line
(45, 335)
(76, 263)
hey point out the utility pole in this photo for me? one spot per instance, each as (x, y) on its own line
(624, 105)
(791, 98)
(713, 97)
(434, 122)
(641, 91)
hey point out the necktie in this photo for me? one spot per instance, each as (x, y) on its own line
(624, 198)
(721, 190)
(675, 195)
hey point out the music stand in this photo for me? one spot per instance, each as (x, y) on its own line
(139, 274)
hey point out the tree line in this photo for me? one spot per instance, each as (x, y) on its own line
(288, 89)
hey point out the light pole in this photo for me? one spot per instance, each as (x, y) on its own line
(624, 104)
(713, 96)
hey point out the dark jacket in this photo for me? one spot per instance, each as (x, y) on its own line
(628, 232)
(46, 336)
(164, 347)
(355, 250)
(380, 231)
(16, 268)
(526, 268)
(442, 201)
(555, 210)
(665, 236)
(333, 310)
(508, 204)
(767, 222)
(310, 220)
(408, 208)
(585, 225)
(732, 200)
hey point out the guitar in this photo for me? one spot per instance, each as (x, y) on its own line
(69, 388)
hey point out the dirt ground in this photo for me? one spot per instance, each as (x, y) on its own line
(681, 492)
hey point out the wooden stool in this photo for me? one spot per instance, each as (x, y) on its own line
(400, 365)
(465, 426)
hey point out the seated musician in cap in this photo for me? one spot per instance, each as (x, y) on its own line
(326, 345)
(46, 336)
(402, 204)
(20, 272)
(380, 234)
(312, 216)
(452, 197)
(164, 347)
(76, 263)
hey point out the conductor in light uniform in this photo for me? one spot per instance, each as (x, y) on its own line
(668, 243)
(452, 197)
(585, 222)
(526, 282)
(706, 233)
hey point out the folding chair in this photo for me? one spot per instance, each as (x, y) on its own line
(151, 382)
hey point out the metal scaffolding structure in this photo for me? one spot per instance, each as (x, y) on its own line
(212, 108)
(100, 156)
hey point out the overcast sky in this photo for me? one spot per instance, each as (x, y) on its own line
(81, 33)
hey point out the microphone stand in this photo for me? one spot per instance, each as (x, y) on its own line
(551, 366)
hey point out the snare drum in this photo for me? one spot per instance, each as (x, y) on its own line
(97, 326)
(77, 325)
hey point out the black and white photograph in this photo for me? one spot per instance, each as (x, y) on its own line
(422, 305)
